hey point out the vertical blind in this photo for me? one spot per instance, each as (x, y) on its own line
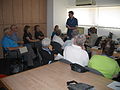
(100, 16)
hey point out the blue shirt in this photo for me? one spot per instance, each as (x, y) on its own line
(8, 42)
(14, 37)
(72, 22)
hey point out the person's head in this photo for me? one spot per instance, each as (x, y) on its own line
(70, 14)
(37, 27)
(46, 42)
(79, 40)
(14, 28)
(7, 31)
(108, 47)
(56, 27)
(74, 33)
(26, 29)
(58, 32)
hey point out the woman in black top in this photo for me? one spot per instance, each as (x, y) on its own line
(38, 33)
(27, 37)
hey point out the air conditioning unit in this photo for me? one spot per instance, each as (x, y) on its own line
(85, 2)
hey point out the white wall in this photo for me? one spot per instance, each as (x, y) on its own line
(49, 17)
(60, 12)
(57, 14)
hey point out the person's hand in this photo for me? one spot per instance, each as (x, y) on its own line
(68, 26)
(50, 47)
(20, 46)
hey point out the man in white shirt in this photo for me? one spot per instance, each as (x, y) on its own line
(69, 42)
(76, 53)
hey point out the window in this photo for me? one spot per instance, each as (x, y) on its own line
(101, 16)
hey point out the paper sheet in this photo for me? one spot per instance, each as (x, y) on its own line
(114, 85)
(23, 50)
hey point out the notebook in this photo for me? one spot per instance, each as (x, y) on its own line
(23, 50)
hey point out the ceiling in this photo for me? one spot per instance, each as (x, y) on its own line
(72, 3)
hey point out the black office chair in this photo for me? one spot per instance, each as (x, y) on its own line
(39, 56)
(94, 71)
(57, 47)
(14, 60)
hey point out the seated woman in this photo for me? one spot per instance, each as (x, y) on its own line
(38, 33)
(104, 63)
(57, 38)
(54, 32)
(27, 37)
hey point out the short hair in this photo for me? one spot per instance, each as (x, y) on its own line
(71, 12)
(12, 26)
(58, 32)
(108, 47)
(46, 42)
(5, 30)
(35, 27)
(26, 28)
(79, 40)
(75, 33)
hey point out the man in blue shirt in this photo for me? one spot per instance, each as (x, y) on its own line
(14, 36)
(7, 41)
(9, 44)
(71, 24)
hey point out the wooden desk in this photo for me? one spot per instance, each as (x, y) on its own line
(98, 52)
(53, 77)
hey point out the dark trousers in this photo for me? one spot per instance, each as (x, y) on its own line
(69, 32)
(28, 56)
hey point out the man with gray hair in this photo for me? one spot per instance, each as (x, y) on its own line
(46, 51)
(9, 45)
(14, 36)
(76, 53)
(69, 42)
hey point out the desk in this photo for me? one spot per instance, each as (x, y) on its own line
(98, 52)
(53, 77)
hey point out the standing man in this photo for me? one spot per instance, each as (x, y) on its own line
(71, 24)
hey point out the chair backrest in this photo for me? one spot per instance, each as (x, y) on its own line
(39, 56)
(98, 41)
(4, 52)
(65, 61)
(94, 71)
(57, 47)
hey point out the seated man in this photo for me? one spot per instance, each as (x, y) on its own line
(46, 51)
(14, 36)
(76, 53)
(69, 42)
(104, 63)
(9, 45)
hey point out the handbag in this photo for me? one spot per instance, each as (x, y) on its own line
(73, 85)
(78, 68)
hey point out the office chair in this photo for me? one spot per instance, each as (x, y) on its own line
(39, 57)
(57, 47)
(15, 61)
